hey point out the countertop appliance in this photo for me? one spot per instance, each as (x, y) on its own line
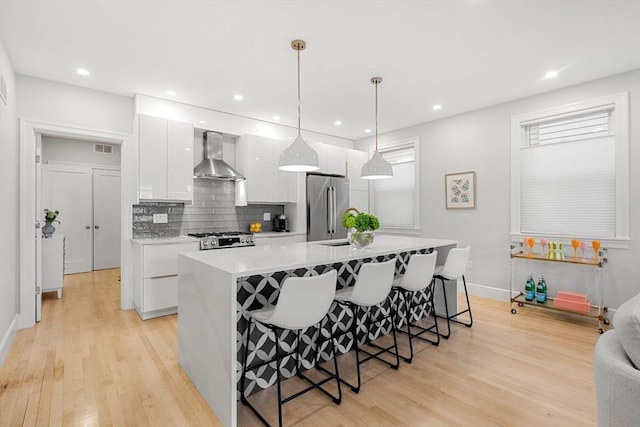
(224, 239)
(327, 199)
(280, 223)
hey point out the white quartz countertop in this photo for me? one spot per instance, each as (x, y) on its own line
(165, 240)
(246, 261)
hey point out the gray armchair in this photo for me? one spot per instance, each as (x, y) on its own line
(617, 369)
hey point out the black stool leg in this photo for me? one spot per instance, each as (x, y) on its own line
(279, 378)
(446, 310)
(468, 309)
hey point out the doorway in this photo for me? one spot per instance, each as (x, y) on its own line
(81, 180)
(30, 214)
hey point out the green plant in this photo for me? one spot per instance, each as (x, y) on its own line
(360, 221)
(51, 216)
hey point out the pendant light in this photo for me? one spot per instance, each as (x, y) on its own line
(299, 157)
(377, 167)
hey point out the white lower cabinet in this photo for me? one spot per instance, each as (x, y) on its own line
(53, 264)
(155, 281)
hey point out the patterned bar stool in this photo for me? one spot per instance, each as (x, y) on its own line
(371, 289)
(454, 267)
(418, 278)
(303, 302)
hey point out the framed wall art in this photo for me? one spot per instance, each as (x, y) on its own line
(460, 190)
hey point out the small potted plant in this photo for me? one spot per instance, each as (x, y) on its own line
(50, 217)
(361, 226)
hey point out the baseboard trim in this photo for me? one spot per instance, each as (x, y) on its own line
(485, 291)
(7, 339)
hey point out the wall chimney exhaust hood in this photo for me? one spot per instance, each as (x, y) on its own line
(213, 167)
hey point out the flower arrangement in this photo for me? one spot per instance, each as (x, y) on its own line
(51, 216)
(361, 227)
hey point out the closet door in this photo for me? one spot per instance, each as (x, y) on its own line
(106, 219)
(68, 190)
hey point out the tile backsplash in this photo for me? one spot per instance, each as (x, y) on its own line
(213, 209)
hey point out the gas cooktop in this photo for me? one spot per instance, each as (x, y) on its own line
(223, 239)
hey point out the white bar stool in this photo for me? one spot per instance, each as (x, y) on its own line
(372, 288)
(303, 302)
(454, 267)
(418, 277)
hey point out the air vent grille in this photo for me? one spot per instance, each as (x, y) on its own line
(103, 148)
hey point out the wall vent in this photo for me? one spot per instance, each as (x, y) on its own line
(103, 148)
(3, 90)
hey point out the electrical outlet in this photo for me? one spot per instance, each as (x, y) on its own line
(160, 218)
(469, 265)
(266, 216)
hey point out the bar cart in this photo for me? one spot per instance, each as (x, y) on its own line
(596, 308)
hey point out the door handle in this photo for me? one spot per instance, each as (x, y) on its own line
(335, 207)
(329, 210)
(87, 227)
(96, 227)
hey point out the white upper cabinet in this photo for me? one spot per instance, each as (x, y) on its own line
(165, 159)
(336, 160)
(257, 159)
(355, 160)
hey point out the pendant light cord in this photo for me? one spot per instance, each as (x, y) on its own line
(376, 116)
(298, 91)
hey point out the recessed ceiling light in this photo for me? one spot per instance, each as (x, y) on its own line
(276, 118)
(238, 97)
(437, 107)
(202, 121)
(82, 71)
(367, 131)
(171, 92)
(551, 74)
(337, 123)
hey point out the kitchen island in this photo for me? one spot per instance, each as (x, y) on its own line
(216, 288)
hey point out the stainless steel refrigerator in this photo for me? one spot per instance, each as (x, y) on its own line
(327, 199)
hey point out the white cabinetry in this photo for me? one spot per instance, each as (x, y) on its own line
(336, 160)
(355, 160)
(257, 158)
(165, 159)
(155, 280)
(53, 264)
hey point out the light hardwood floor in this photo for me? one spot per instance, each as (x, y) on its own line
(89, 363)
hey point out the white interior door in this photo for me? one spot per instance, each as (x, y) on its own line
(68, 190)
(106, 219)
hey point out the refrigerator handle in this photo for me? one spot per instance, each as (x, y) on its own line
(329, 210)
(334, 202)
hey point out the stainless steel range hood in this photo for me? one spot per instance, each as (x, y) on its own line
(213, 167)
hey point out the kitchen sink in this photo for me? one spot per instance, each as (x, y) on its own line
(341, 243)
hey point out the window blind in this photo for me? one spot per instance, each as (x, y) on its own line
(591, 125)
(394, 200)
(569, 188)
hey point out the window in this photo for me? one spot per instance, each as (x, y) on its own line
(396, 201)
(570, 171)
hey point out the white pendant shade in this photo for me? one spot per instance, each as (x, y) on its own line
(299, 157)
(376, 168)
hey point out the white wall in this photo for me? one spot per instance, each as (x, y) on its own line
(76, 151)
(48, 101)
(9, 193)
(480, 141)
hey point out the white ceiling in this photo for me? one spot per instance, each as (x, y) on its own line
(462, 54)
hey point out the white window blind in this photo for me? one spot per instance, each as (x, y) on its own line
(569, 188)
(395, 199)
(590, 125)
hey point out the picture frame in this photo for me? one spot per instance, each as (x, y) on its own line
(460, 190)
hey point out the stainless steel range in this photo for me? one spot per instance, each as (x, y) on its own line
(224, 239)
